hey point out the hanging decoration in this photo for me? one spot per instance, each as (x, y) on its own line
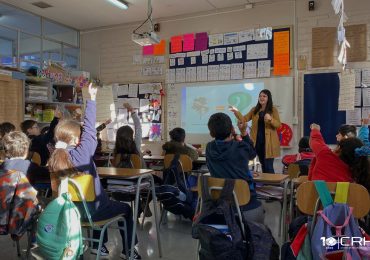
(338, 6)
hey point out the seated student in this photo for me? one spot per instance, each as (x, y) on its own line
(177, 145)
(5, 128)
(126, 142)
(39, 142)
(18, 204)
(346, 131)
(16, 146)
(73, 155)
(228, 158)
(348, 163)
(303, 157)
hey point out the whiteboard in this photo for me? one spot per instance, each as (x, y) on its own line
(179, 103)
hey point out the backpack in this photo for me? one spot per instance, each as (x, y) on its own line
(333, 222)
(174, 194)
(216, 227)
(59, 233)
(263, 243)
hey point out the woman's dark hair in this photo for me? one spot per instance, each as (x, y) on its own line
(304, 145)
(269, 104)
(177, 134)
(348, 130)
(359, 166)
(125, 143)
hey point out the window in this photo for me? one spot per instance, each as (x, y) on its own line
(8, 47)
(60, 33)
(71, 57)
(16, 18)
(51, 51)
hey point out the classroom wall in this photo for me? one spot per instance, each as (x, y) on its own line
(107, 52)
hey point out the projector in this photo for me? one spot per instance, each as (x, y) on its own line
(144, 39)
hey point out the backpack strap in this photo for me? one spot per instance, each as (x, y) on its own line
(324, 194)
(205, 192)
(227, 190)
(341, 193)
(338, 229)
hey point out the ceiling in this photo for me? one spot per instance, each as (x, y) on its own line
(87, 14)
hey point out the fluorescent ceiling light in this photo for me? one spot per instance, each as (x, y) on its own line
(119, 3)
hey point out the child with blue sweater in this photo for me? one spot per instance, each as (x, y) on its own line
(75, 148)
(228, 158)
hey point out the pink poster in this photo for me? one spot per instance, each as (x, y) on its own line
(188, 42)
(148, 50)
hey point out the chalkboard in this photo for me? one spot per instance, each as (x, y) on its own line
(321, 93)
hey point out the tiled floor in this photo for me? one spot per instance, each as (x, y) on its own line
(177, 243)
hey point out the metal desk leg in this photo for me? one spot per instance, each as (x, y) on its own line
(283, 221)
(151, 180)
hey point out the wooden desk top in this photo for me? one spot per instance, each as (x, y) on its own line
(161, 158)
(270, 178)
(117, 173)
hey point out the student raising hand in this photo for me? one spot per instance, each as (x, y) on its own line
(242, 125)
(315, 126)
(92, 91)
(233, 109)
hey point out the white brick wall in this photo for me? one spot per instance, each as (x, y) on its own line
(107, 53)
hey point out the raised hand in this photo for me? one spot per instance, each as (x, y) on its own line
(92, 91)
(242, 125)
(233, 109)
(128, 107)
(315, 126)
(108, 121)
(58, 113)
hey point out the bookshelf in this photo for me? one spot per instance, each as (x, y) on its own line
(42, 97)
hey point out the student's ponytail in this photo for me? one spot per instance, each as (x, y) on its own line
(60, 164)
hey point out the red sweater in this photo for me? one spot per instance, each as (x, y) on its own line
(326, 166)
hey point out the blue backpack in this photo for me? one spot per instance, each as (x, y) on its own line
(335, 227)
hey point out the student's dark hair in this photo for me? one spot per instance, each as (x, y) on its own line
(6, 128)
(304, 144)
(177, 134)
(359, 165)
(125, 143)
(348, 130)
(269, 104)
(220, 126)
(27, 124)
(59, 162)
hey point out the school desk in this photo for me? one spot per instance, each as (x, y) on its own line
(139, 175)
(276, 179)
(149, 158)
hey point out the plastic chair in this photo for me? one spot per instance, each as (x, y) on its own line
(186, 165)
(241, 196)
(81, 188)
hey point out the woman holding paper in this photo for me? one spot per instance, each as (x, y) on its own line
(265, 122)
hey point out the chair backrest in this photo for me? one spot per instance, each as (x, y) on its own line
(35, 157)
(241, 189)
(85, 182)
(135, 160)
(293, 171)
(358, 198)
(185, 162)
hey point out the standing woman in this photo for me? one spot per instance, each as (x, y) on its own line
(265, 122)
